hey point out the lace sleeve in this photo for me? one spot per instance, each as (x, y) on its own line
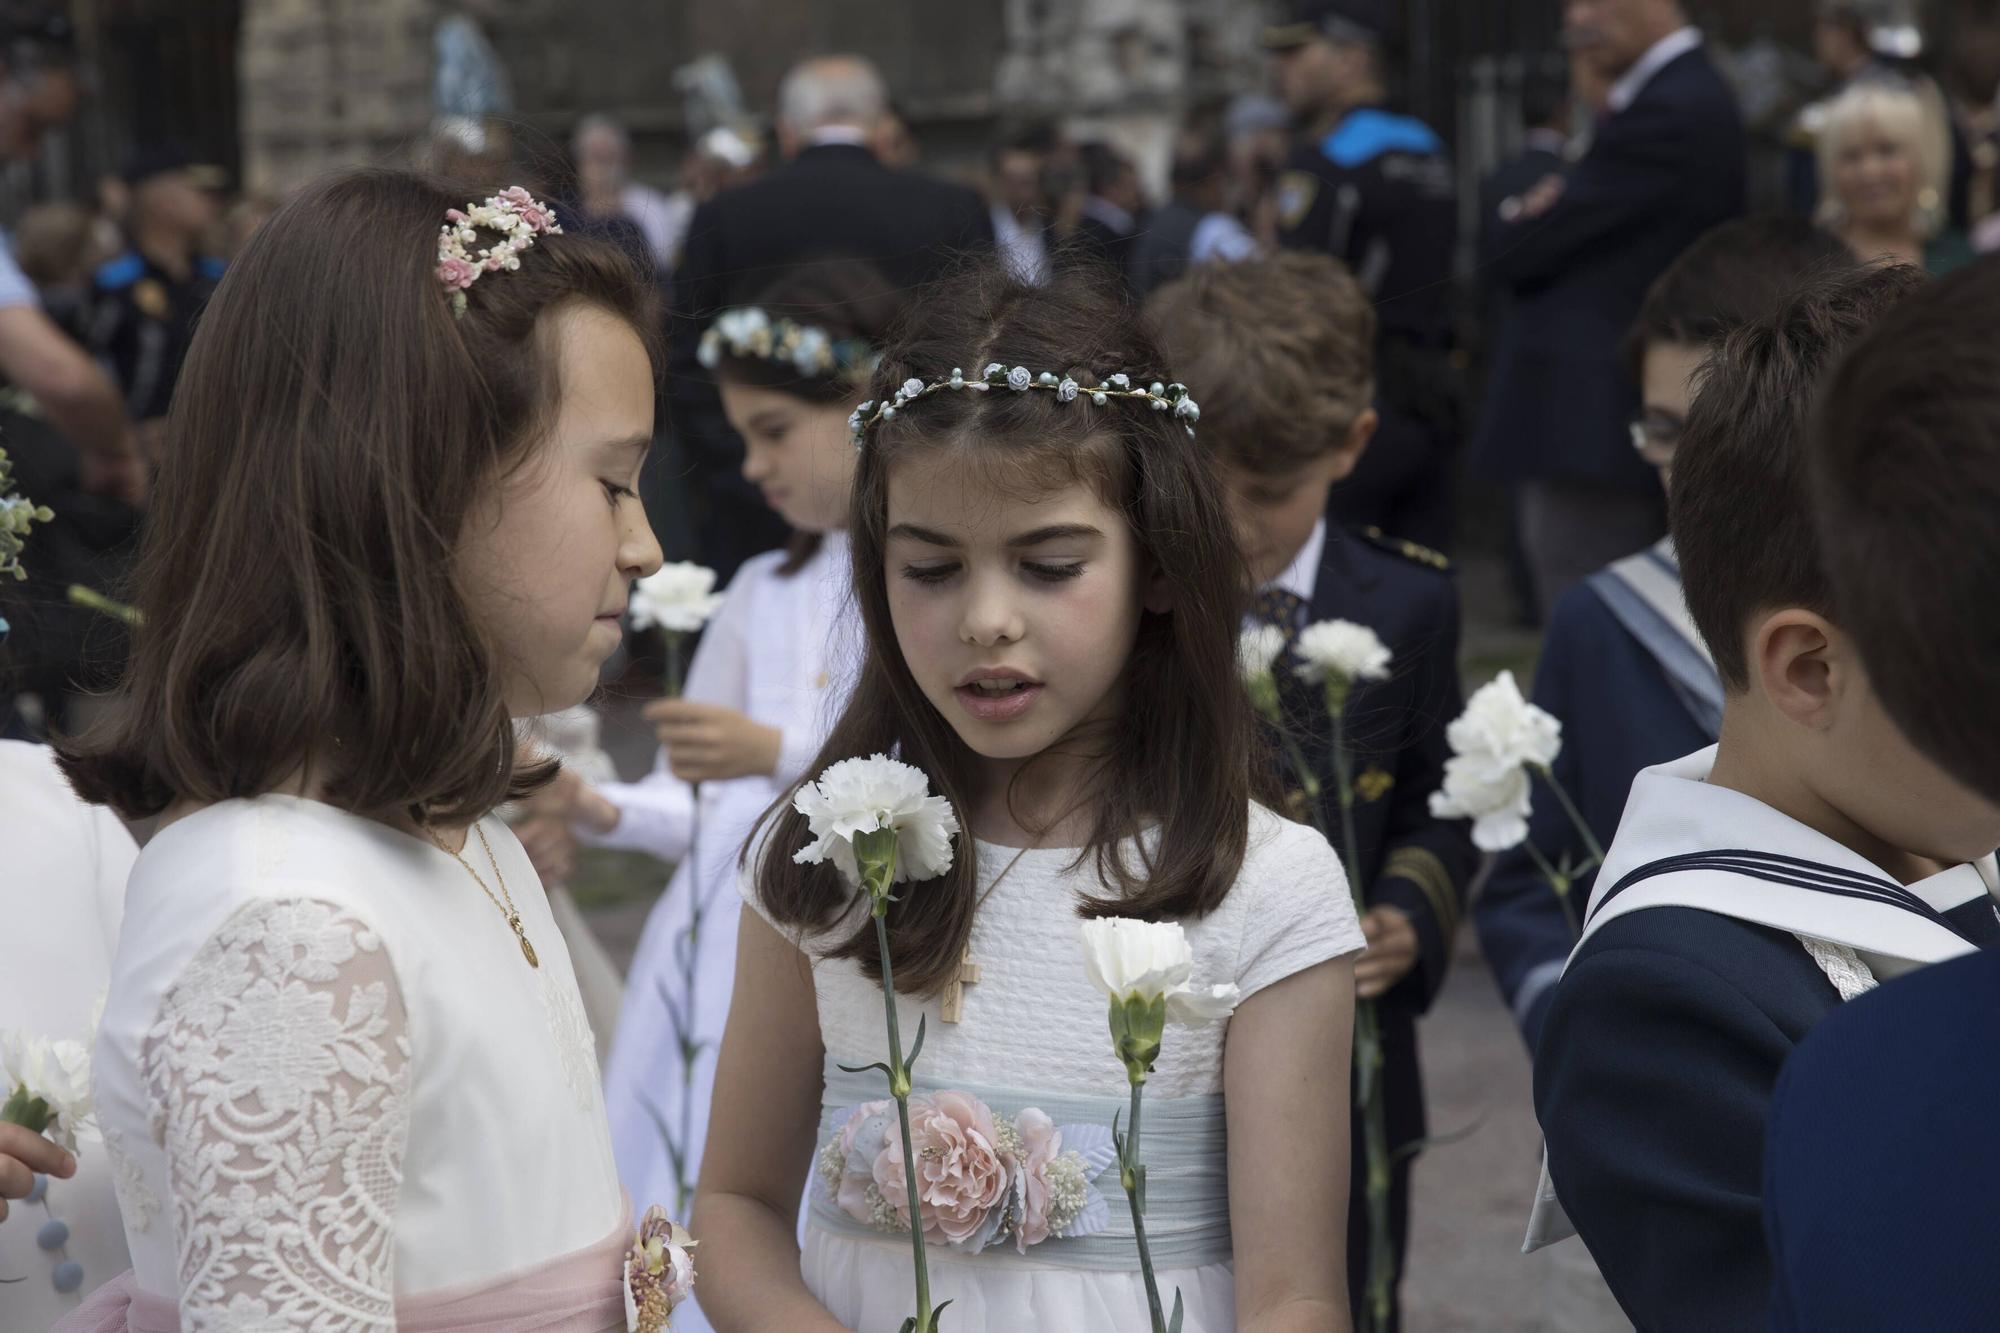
(277, 1075)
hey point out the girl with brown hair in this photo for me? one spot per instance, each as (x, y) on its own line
(773, 670)
(1051, 594)
(344, 1076)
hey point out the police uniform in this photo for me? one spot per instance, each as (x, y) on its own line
(1375, 190)
(141, 321)
(1407, 859)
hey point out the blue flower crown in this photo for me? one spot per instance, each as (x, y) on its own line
(750, 333)
(1164, 397)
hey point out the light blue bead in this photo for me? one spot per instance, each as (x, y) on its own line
(37, 1190)
(53, 1235)
(68, 1276)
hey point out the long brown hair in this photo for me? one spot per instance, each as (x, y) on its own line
(334, 424)
(1180, 756)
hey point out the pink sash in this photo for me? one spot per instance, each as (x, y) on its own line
(583, 1292)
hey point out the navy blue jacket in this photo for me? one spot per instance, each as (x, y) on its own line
(1652, 1081)
(1658, 174)
(1408, 859)
(1882, 1157)
(1619, 715)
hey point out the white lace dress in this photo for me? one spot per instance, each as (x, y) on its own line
(328, 1077)
(1034, 1022)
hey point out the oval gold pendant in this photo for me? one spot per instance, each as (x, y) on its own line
(528, 952)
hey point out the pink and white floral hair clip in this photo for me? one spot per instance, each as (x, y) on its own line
(517, 216)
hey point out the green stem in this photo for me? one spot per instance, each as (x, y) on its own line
(1575, 815)
(691, 975)
(93, 600)
(673, 664)
(899, 1087)
(1558, 881)
(1367, 1050)
(1132, 1175)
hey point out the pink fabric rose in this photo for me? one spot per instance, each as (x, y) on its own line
(1041, 1143)
(961, 1177)
(457, 274)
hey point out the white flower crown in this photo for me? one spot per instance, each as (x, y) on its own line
(750, 333)
(1164, 397)
(514, 213)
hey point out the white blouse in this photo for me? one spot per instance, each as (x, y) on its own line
(62, 890)
(327, 1074)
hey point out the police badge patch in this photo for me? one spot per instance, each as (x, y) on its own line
(1296, 192)
(151, 298)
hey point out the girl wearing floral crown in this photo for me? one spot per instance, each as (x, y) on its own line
(343, 1078)
(1051, 595)
(773, 670)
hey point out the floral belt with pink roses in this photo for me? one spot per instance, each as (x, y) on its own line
(995, 1183)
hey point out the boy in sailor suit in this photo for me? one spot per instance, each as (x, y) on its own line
(1622, 667)
(1881, 1155)
(1754, 887)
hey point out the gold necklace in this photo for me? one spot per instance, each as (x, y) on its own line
(951, 1001)
(513, 916)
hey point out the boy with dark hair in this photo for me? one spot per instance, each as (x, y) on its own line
(1752, 887)
(1622, 667)
(1284, 351)
(1881, 1153)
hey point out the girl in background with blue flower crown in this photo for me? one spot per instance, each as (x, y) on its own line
(772, 671)
(1051, 594)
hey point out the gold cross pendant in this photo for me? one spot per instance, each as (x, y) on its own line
(953, 1005)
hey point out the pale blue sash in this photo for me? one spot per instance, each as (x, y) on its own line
(1184, 1143)
(1644, 592)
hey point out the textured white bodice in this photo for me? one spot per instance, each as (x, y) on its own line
(1033, 1021)
(327, 1074)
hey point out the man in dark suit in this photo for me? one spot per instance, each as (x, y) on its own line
(1881, 1157)
(832, 198)
(1666, 163)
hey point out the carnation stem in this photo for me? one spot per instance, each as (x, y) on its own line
(691, 1045)
(1367, 1053)
(1575, 815)
(1558, 881)
(1133, 1176)
(880, 877)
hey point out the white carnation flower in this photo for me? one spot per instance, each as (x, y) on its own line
(1493, 796)
(1501, 725)
(55, 1072)
(679, 598)
(857, 796)
(1342, 651)
(1149, 960)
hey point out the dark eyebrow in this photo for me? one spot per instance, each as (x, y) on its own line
(1054, 532)
(924, 535)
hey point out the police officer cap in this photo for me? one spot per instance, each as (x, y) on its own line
(1300, 21)
(160, 159)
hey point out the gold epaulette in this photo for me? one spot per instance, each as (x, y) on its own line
(1411, 551)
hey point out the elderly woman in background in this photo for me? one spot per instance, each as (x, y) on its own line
(1884, 159)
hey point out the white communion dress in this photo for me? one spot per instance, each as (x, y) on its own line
(1033, 1034)
(62, 887)
(330, 1084)
(782, 650)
